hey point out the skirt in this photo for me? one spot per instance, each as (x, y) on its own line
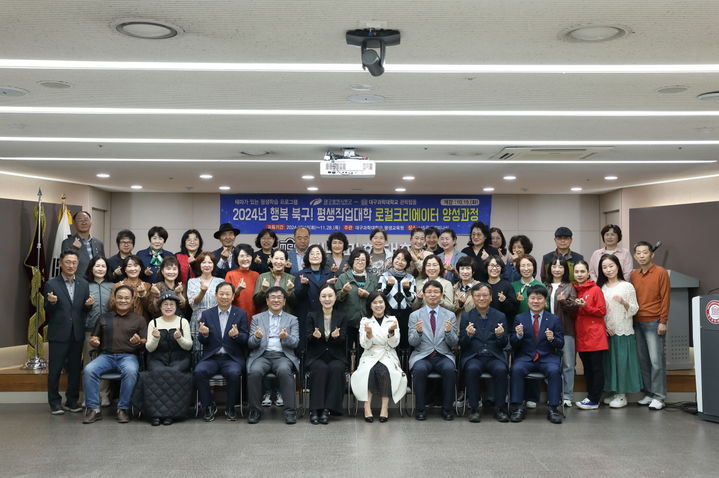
(621, 365)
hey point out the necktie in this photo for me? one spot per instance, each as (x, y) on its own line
(535, 357)
(432, 321)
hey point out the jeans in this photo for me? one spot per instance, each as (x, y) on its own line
(569, 361)
(126, 364)
(652, 362)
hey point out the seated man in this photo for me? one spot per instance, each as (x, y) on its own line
(432, 334)
(483, 338)
(274, 336)
(120, 335)
(537, 340)
(222, 332)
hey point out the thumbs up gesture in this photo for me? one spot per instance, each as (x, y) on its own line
(52, 298)
(519, 330)
(233, 331)
(291, 286)
(241, 286)
(265, 284)
(470, 329)
(550, 334)
(203, 329)
(76, 243)
(304, 280)
(316, 334)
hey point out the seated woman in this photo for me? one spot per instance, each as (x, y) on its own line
(326, 357)
(379, 371)
(164, 391)
(169, 280)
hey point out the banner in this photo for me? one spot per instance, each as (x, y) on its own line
(352, 213)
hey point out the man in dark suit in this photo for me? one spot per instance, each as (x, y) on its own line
(432, 332)
(226, 234)
(86, 246)
(483, 338)
(222, 332)
(67, 300)
(537, 340)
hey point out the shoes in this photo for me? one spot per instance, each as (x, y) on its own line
(587, 404)
(554, 415)
(210, 412)
(92, 416)
(105, 401)
(167, 421)
(72, 407)
(475, 416)
(608, 399)
(501, 416)
(155, 422)
(314, 418)
(122, 416)
(278, 400)
(518, 414)
(656, 404)
(325, 417)
(369, 419)
(383, 419)
(567, 403)
(266, 400)
(531, 404)
(447, 415)
(56, 410)
(618, 401)
(231, 414)
(645, 401)
(254, 416)
(420, 415)
(290, 417)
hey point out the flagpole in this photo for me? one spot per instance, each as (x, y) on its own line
(37, 362)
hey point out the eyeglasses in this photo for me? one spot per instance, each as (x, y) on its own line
(482, 296)
(82, 219)
(276, 297)
(126, 243)
(494, 266)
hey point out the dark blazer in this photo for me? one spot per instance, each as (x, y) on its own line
(66, 318)
(337, 348)
(235, 347)
(145, 257)
(83, 259)
(221, 272)
(483, 338)
(526, 345)
(307, 296)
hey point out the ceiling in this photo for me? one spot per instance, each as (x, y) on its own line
(445, 129)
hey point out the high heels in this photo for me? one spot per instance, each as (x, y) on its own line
(383, 419)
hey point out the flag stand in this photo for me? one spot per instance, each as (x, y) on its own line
(37, 362)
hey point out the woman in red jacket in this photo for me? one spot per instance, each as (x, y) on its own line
(591, 334)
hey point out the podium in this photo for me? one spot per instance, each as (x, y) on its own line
(705, 315)
(676, 345)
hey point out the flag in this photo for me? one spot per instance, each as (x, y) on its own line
(35, 263)
(63, 230)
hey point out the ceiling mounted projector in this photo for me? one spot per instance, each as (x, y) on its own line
(369, 40)
(347, 164)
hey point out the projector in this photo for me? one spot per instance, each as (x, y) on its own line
(349, 164)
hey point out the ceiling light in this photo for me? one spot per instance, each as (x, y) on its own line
(400, 190)
(102, 175)
(362, 87)
(488, 190)
(593, 33)
(576, 189)
(509, 178)
(366, 98)
(224, 188)
(408, 178)
(12, 91)
(205, 176)
(611, 178)
(147, 29)
(308, 177)
(312, 188)
(668, 90)
(709, 96)
(54, 84)
(370, 40)
(135, 186)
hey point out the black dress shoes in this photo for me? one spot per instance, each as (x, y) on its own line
(324, 417)
(290, 417)
(122, 416)
(210, 412)
(420, 415)
(501, 415)
(447, 415)
(254, 416)
(475, 416)
(518, 414)
(155, 422)
(314, 418)
(369, 419)
(554, 415)
(231, 414)
(383, 419)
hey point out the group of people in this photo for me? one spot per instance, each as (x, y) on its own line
(169, 323)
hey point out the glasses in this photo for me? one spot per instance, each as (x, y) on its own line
(494, 266)
(276, 297)
(482, 296)
(127, 243)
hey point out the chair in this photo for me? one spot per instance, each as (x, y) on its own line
(217, 380)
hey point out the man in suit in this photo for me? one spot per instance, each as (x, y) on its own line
(274, 336)
(222, 332)
(67, 301)
(86, 246)
(483, 338)
(537, 340)
(226, 234)
(432, 333)
(297, 255)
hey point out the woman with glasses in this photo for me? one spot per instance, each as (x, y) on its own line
(478, 248)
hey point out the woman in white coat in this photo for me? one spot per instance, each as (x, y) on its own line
(379, 371)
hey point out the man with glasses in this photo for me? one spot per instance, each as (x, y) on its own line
(86, 246)
(274, 336)
(125, 244)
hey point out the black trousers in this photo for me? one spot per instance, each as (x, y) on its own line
(327, 381)
(441, 365)
(67, 355)
(473, 370)
(593, 373)
(225, 365)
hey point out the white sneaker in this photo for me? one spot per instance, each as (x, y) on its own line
(278, 400)
(266, 400)
(530, 404)
(656, 404)
(608, 399)
(619, 401)
(587, 404)
(645, 401)
(567, 403)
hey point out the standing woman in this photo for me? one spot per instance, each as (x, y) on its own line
(398, 287)
(353, 287)
(313, 277)
(462, 289)
(326, 357)
(417, 250)
(621, 364)
(190, 246)
(265, 242)
(153, 256)
(497, 240)
(201, 292)
(611, 236)
(379, 371)
(169, 280)
(591, 333)
(244, 280)
(131, 269)
(98, 278)
(478, 248)
(433, 269)
(276, 276)
(379, 254)
(504, 299)
(450, 256)
(519, 246)
(561, 302)
(527, 266)
(337, 244)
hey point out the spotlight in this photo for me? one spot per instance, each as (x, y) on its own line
(369, 40)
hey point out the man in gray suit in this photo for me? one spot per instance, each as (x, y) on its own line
(83, 243)
(432, 333)
(274, 335)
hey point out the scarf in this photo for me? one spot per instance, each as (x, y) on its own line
(397, 274)
(156, 259)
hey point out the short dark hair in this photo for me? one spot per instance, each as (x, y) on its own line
(432, 283)
(371, 297)
(223, 284)
(524, 241)
(642, 243)
(482, 227)
(275, 251)
(74, 216)
(133, 258)
(601, 277)
(356, 252)
(424, 265)
(339, 236)
(306, 259)
(503, 245)
(497, 259)
(125, 234)
(449, 231)
(431, 230)
(242, 247)
(89, 276)
(414, 231)
(562, 262)
(405, 253)
(269, 232)
(198, 261)
(378, 230)
(159, 230)
(537, 289)
(124, 286)
(617, 230)
(170, 261)
(68, 252)
(466, 261)
(531, 259)
(275, 288)
(185, 235)
(478, 286)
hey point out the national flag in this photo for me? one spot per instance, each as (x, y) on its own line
(64, 221)
(35, 263)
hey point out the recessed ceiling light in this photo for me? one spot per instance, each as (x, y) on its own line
(576, 189)
(362, 87)
(400, 190)
(102, 175)
(509, 178)
(135, 186)
(611, 178)
(224, 188)
(55, 84)
(147, 29)
(488, 190)
(205, 176)
(593, 33)
(12, 91)
(408, 178)
(709, 96)
(366, 98)
(307, 176)
(668, 90)
(312, 188)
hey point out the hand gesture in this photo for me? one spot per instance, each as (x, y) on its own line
(154, 290)
(117, 272)
(332, 281)
(203, 329)
(562, 296)
(485, 255)
(283, 334)
(76, 243)
(346, 288)
(519, 330)
(520, 297)
(52, 298)
(233, 331)
(178, 289)
(155, 333)
(420, 294)
(470, 329)
(334, 268)
(177, 335)
(418, 327)
(610, 332)
(581, 302)
(226, 251)
(316, 334)
(368, 330)
(135, 339)
(392, 326)
(335, 333)
(499, 330)
(661, 329)
(501, 297)
(190, 257)
(148, 272)
(90, 300)
(265, 284)
(362, 292)
(304, 280)
(141, 289)
(290, 286)
(391, 280)
(94, 341)
(447, 326)
(204, 285)
(406, 284)
(258, 333)
(549, 333)
(461, 298)
(257, 260)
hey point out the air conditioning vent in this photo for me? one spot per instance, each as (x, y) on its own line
(549, 154)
